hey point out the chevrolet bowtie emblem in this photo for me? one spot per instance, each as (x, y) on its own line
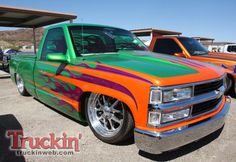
(217, 91)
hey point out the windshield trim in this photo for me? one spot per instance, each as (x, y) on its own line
(104, 53)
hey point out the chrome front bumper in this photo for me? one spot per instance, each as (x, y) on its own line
(156, 143)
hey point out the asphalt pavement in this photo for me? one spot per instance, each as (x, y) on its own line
(35, 119)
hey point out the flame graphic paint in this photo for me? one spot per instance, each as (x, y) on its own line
(187, 62)
(76, 93)
(101, 82)
(226, 67)
(114, 71)
(181, 61)
(64, 89)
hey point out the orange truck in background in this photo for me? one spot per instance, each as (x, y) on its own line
(172, 43)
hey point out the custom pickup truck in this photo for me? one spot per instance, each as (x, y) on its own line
(106, 76)
(190, 48)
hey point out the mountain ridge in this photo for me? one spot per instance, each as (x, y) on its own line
(20, 37)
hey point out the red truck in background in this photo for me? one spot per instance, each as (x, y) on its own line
(172, 43)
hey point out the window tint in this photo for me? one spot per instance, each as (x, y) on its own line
(54, 43)
(167, 46)
(193, 46)
(95, 39)
(231, 49)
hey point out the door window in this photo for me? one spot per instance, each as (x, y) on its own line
(231, 49)
(167, 46)
(54, 43)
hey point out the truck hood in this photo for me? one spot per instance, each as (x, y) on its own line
(220, 56)
(159, 69)
(227, 61)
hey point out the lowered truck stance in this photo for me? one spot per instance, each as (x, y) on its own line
(106, 77)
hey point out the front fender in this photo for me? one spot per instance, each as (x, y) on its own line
(135, 94)
(118, 95)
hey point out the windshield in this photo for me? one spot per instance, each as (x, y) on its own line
(93, 39)
(193, 46)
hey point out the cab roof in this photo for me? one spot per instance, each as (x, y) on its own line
(204, 39)
(81, 24)
(149, 31)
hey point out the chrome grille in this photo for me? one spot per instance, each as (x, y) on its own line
(206, 106)
(207, 87)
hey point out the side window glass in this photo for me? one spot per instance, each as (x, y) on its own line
(90, 40)
(229, 49)
(54, 43)
(167, 46)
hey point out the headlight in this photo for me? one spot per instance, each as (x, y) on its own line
(155, 118)
(177, 94)
(163, 96)
(155, 96)
(172, 116)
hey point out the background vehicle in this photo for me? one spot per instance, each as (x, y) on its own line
(106, 76)
(229, 48)
(190, 48)
(223, 47)
(6, 56)
(1, 56)
(10, 51)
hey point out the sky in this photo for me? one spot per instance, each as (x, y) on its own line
(206, 18)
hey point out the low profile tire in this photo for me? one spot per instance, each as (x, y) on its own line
(21, 86)
(109, 119)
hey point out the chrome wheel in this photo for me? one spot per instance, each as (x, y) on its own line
(19, 83)
(106, 114)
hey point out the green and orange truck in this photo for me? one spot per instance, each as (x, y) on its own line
(107, 77)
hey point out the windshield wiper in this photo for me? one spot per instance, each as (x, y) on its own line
(128, 46)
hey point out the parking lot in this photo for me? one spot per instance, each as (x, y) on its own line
(36, 119)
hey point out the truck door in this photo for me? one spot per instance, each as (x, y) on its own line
(49, 89)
